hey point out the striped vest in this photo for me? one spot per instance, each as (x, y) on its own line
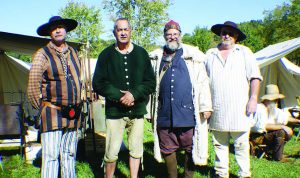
(58, 89)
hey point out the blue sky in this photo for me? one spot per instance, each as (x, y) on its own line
(24, 16)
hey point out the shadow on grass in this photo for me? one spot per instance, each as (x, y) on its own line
(151, 167)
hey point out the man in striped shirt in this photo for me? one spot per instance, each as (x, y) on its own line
(54, 83)
(233, 74)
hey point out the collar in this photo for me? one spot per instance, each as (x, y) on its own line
(64, 50)
(129, 49)
(236, 47)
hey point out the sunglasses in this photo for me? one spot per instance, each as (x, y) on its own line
(225, 32)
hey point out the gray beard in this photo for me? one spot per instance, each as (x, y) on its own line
(173, 46)
(226, 43)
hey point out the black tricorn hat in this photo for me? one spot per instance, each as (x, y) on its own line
(217, 29)
(44, 30)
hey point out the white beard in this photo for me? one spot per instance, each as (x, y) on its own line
(272, 109)
(227, 43)
(173, 45)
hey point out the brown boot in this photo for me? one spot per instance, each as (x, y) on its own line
(189, 166)
(171, 163)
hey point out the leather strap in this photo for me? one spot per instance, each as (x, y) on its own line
(50, 105)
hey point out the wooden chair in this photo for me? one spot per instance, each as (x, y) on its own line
(257, 146)
(12, 124)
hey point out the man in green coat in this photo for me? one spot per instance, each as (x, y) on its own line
(124, 76)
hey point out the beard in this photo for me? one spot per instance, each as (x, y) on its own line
(227, 42)
(173, 45)
(272, 109)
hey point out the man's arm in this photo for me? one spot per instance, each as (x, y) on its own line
(252, 103)
(39, 65)
(271, 127)
(101, 83)
(293, 120)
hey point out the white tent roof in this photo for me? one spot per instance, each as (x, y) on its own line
(276, 69)
(290, 67)
(274, 52)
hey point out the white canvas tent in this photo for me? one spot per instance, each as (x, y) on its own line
(276, 69)
(13, 79)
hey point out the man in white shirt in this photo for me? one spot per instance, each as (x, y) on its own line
(272, 121)
(235, 80)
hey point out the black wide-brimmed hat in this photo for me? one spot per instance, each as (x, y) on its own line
(217, 29)
(44, 30)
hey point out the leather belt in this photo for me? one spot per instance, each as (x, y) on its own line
(50, 105)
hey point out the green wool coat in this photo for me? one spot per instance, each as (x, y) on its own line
(129, 72)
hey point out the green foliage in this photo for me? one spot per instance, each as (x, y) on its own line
(14, 167)
(254, 32)
(25, 58)
(282, 24)
(201, 37)
(146, 17)
(89, 25)
(84, 170)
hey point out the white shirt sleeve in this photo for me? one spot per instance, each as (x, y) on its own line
(260, 119)
(281, 117)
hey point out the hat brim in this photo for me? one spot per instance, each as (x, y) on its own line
(216, 29)
(44, 30)
(272, 97)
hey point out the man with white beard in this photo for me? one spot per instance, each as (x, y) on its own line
(182, 105)
(272, 121)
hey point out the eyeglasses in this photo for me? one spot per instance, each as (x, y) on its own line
(172, 34)
(225, 32)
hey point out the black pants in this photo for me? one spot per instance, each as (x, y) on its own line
(275, 141)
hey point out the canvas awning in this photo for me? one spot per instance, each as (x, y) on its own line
(25, 44)
(274, 52)
(276, 69)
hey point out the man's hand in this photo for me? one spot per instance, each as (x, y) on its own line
(127, 99)
(206, 114)
(288, 130)
(251, 106)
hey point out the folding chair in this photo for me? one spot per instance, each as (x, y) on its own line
(12, 124)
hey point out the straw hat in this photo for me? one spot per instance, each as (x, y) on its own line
(272, 93)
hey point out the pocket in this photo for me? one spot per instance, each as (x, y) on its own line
(187, 103)
(71, 112)
(188, 106)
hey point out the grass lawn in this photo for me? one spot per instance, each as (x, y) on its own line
(89, 166)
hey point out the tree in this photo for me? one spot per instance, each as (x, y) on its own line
(22, 57)
(254, 31)
(89, 25)
(146, 17)
(201, 37)
(282, 24)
